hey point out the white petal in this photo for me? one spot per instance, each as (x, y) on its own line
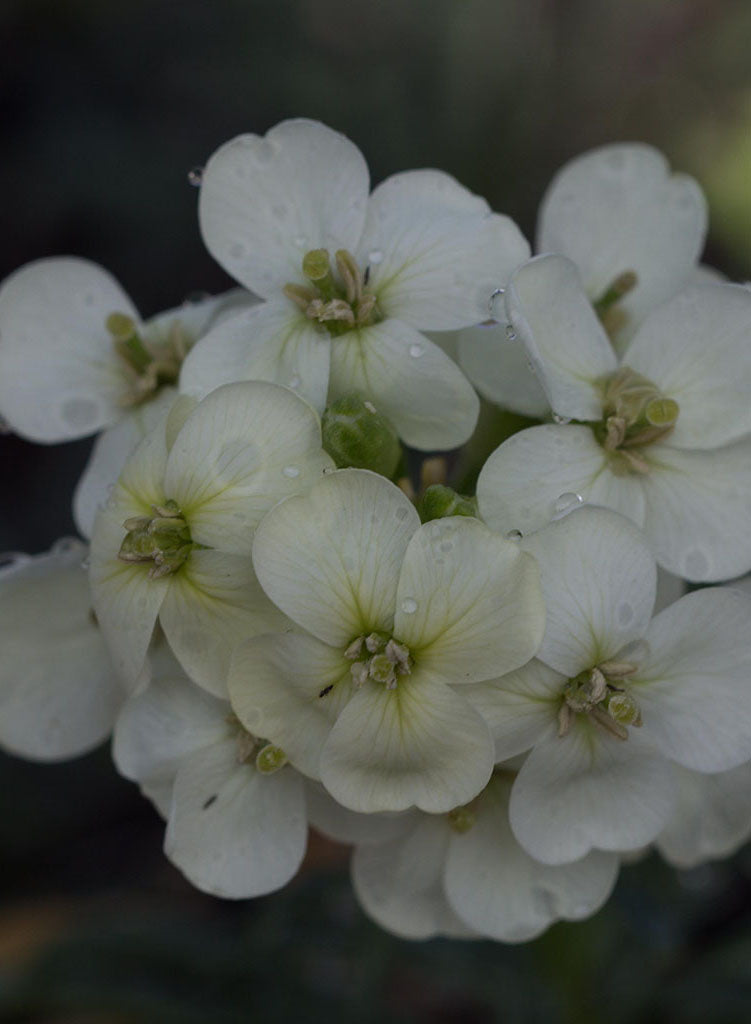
(695, 349)
(469, 604)
(289, 689)
(519, 707)
(58, 690)
(111, 450)
(697, 508)
(694, 688)
(498, 366)
(158, 728)
(566, 343)
(60, 377)
(400, 883)
(669, 589)
(232, 831)
(343, 826)
(503, 893)
(213, 604)
(419, 745)
(599, 579)
(712, 817)
(618, 208)
(589, 791)
(331, 559)
(273, 342)
(436, 252)
(410, 380)
(540, 473)
(243, 448)
(265, 202)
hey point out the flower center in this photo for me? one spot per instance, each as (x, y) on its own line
(608, 307)
(149, 365)
(600, 694)
(339, 301)
(635, 415)
(380, 658)
(162, 539)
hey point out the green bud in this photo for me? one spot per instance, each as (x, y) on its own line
(355, 434)
(439, 501)
(270, 759)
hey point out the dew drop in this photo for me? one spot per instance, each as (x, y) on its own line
(514, 535)
(195, 176)
(695, 565)
(416, 351)
(510, 332)
(291, 472)
(409, 606)
(561, 419)
(566, 503)
(79, 413)
(294, 382)
(375, 257)
(237, 251)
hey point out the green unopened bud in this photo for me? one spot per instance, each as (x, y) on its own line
(461, 819)
(623, 708)
(439, 501)
(270, 759)
(356, 434)
(662, 412)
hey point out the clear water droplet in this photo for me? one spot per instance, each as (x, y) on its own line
(291, 472)
(375, 257)
(566, 503)
(195, 176)
(416, 351)
(409, 606)
(561, 419)
(514, 535)
(294, 382)
(510, 332)
(495, 306)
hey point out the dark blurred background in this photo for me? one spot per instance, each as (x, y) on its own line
(105, 107)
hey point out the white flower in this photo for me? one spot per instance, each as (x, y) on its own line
(612, 698)
(350, 281)
(664, 437)
(634, 231)
(75, 356)
(236, 822)
(58, 690)
(399, 618)
(174, 540)
(464, 874)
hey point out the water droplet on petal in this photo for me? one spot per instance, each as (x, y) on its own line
(409, 606)
(375, 257)
(510, 332)
(294, 382)
(561, 419)
(79, 413)
(416, 351)
(291, 471)
(566, 503)
(514, 535)
(195, 176)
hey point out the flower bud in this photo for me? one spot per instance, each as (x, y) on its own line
(355, 434)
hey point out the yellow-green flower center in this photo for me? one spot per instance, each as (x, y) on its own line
(162, 539)
(602, 694)
(149, 365)
(636, 414)
(380, 658)
(338, 299)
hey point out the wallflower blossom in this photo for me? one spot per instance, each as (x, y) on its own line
(398, 619)
(350, 281)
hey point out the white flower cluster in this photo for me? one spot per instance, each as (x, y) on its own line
(472, 690)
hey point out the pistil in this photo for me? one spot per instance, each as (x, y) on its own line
(380, 658)
(600, 694)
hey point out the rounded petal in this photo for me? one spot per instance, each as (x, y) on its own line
(289, 689)
(618, 208)
(242, 449)
(500, 891)
(111, 451)
(214, 603)
(498, 365)
(712, 817)
(469, 604)
(400, 883)
(420, 745)
(566, 343)
(343, 826)
(60, 377)
(170, 720)
(588, 791)
(541, 473)
(694, 687)
(232, 831)
(267, 201)
(697, 507)
(436, 252)
(599, 580)
(272, 342)
(410, 380)
(58, 690)
(331, 559)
